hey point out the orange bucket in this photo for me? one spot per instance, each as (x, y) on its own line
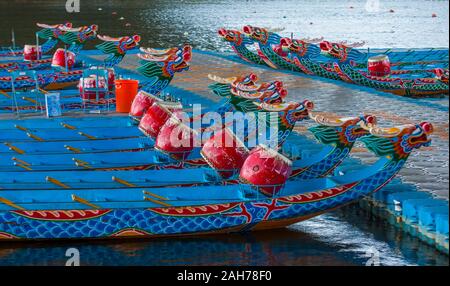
(126, 90)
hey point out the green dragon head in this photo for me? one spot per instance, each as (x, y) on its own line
(341, 132)
(398, 142)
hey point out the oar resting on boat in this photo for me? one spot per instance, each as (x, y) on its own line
(68, 122)
(22, 134)
(339, 135)
(140, 143)
(259, 202)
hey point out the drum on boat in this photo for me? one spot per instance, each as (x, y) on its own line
(61, 57)
(141, 102)
(156, 116)
(224, 152)
(379, 65)
(30, 52)
(266, 169)
(175, 139)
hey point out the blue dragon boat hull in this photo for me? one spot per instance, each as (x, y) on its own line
(107, 213)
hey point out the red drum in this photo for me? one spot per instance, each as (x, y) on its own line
(156, 116)
(59, 59)
(224, 152)
(30, 53)
(90, 82)
(379, 65)
(175, 139)
(266, 169)
(141, 102)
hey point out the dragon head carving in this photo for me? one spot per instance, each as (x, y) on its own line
(258, 34)
(398, 142)
(233, 36)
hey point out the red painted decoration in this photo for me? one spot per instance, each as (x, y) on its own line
(224, 152)
(279, 50)
(266, 167)
(30, 53)
(379, 65)
(325, 46)
(156, 116)
(175, 139)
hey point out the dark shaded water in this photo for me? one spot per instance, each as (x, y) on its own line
(164, 23)
(349, 238)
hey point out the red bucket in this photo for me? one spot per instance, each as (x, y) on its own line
(126, 90)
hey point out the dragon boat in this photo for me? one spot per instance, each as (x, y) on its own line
(116, 48)
(72, 37)
(418, 72)
(255, 203)
(50, 33)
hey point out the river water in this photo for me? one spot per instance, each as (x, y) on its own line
(338, 238)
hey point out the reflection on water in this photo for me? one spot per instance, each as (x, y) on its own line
(170, 22)
(333, 239)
